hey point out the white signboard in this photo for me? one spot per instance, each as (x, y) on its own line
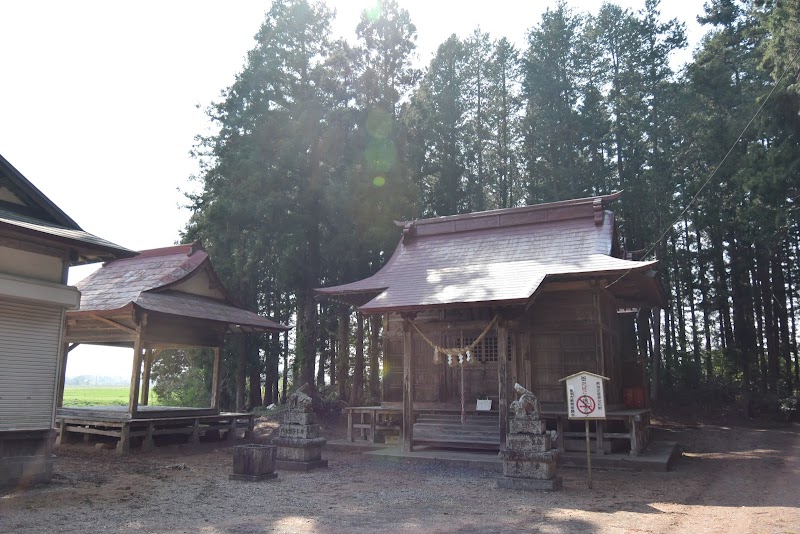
(585, 396)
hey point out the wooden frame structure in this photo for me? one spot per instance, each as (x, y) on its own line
(553, 279)
(162, 299)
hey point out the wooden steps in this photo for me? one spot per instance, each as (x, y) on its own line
(479, 431)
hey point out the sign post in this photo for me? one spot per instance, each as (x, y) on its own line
(585, 400)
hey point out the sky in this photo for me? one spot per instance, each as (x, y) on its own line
(100, 100)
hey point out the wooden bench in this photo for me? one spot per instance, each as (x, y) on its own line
(636, 421)
(379, 419)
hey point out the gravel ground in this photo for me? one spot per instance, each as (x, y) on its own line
(729, 479)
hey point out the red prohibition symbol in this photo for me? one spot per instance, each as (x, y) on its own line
(585, 404)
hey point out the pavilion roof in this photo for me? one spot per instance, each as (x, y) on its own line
(499, 257)
(151, 281)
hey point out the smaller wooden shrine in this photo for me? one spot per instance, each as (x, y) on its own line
(479, 301)
(160, 299)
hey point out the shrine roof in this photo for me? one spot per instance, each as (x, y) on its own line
(498, 257)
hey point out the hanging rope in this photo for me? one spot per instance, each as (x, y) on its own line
(458, 351)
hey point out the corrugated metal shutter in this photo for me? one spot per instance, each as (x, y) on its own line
(29, 345)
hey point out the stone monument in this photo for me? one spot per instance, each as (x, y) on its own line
(299, 444)
(528, 461)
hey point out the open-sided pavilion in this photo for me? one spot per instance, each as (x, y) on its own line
(167, 298)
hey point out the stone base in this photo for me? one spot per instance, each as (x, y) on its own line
(529, 484)
(289, 465)
(297, 454)
(254, 478)
(529, 469)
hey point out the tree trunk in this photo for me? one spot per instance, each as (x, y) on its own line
(759, 315)
(254, 372)
(706, 304)
(343, 356)
(323, 359)
(285, 366)
(762, 270)
(332, 344)
(779, 290)
(679, 304)
(241, 371)
(743, 323)
(791, 288)
(723, 304)
(656, 363)
(690, 282)
(357, 389)
(374, 351)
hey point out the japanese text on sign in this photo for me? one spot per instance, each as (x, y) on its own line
(585, 397)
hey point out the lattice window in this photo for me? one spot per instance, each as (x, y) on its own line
(486, 350)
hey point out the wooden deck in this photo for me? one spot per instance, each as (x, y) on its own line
(148, 423)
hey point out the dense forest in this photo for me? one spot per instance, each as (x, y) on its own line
(323, 143)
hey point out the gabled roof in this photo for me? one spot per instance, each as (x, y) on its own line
(26, 210)
(498, 257)
(155, 281)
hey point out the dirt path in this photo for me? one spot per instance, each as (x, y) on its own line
(729, 480)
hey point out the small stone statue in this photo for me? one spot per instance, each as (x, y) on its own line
(527, 404)
(300, 401)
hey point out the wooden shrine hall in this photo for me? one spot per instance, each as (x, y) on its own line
(480, 301)
(160, 299)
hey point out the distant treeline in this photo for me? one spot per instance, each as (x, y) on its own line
(323, 143)
(91, 380)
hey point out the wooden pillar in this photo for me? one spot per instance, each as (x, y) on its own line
(408, 387)
(656, 366)
(502, 377)
(216, 383)
(62, 372)
(136, 375)
(598, 329)
(148, 363)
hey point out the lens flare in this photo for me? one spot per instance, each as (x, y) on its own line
(380, 155)
(379, 123)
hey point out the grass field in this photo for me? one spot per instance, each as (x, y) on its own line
(100, 396)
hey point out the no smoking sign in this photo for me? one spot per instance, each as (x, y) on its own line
(585, 396)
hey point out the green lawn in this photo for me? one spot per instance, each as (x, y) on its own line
(99, 396)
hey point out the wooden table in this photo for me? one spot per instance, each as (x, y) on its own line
(378, 420)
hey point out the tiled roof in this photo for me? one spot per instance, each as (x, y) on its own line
(145, 281)
(499, 257)
(176, 303)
